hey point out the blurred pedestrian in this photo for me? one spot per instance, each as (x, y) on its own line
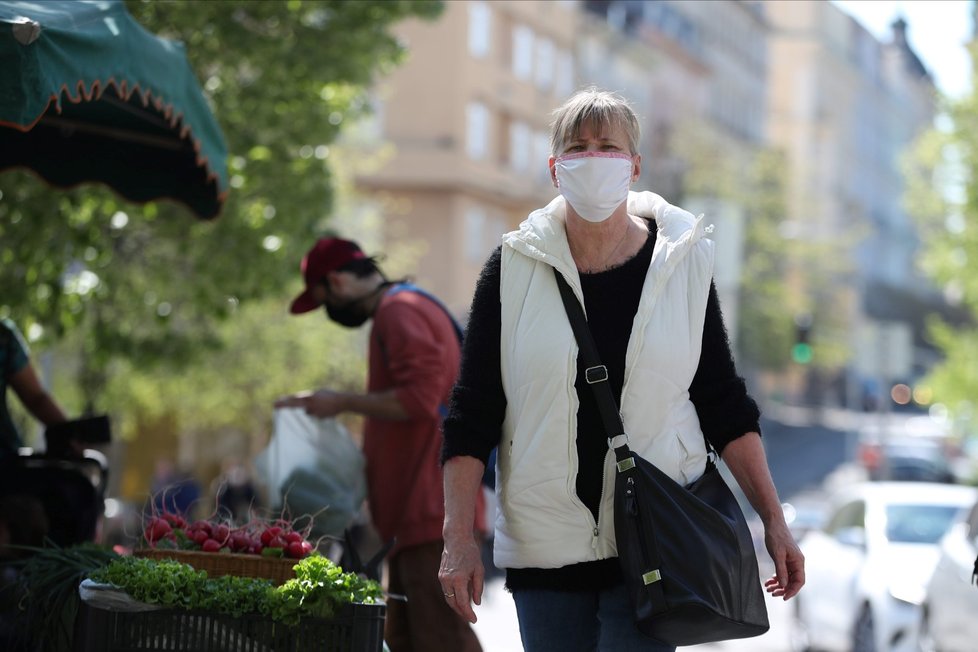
(18, 374)
(173, 490)
(23, 520)
(236, 494)
(413, 362)
(643, 270)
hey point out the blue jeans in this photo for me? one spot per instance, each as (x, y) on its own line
(580, 621)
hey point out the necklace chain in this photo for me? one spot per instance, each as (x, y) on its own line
(603, 265)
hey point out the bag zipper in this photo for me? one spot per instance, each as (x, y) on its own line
(631, 508)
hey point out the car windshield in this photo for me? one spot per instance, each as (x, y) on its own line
(918, 523)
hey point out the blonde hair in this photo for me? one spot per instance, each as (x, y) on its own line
(594, 107)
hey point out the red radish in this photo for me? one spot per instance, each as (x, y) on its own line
(157, 529)
(277, 542)
(295, 551)
(292, 537)
(201, 525)
(175, 520)
(221, 532)
(239, 541)
(199, 537)
(270, 533)
(211, 546)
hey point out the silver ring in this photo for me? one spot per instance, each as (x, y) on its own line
(449, 595)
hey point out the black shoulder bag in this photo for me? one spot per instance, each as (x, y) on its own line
(686, 552)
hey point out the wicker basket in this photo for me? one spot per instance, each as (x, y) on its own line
(356, 628)
(218, 564)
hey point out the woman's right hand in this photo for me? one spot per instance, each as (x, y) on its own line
(462, 575)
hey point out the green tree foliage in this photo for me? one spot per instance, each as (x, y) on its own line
(943, 198)
(151, 284)
(776, 263)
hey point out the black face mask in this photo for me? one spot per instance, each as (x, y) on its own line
(351, 314)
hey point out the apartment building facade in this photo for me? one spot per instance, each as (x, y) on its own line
(844, 107)
(707, 91)
(468, 118)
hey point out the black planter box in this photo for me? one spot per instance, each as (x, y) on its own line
(357, 628)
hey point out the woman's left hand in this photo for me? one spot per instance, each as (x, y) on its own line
(746, 460)
(789, 562)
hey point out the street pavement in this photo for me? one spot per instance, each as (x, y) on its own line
(498, 630)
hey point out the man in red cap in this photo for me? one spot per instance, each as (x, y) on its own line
(413, 361)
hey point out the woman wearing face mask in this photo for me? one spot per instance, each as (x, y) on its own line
(644, 270)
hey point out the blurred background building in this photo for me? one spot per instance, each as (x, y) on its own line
(467, 116)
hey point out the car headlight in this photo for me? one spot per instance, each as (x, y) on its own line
(909, 592)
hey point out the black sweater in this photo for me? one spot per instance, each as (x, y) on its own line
(477, 408)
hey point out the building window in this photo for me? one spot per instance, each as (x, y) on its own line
(522, 52)
(480, 29)
(545, 64)
(481, 233)
(475, 228)
(519, 146)
(476, 131)
(564, 85)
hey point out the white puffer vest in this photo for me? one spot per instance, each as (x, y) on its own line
(541, 522)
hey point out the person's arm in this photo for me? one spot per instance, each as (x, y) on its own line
(462, 574)
(325, 403)
(35, 398)
(472, 429)
(725, 409)
(747, 462)
(477, 404)
(730, 420)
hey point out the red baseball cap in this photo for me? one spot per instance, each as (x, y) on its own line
(327, 255)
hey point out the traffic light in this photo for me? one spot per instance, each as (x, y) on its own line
(801, 349)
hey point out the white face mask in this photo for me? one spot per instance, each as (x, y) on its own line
(594, 183)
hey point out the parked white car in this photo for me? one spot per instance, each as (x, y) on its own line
(868, 566)
(949, 617)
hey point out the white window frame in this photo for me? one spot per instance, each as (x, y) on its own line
(475, 219)
(477, 131)
(519, 146)
(480, 29)
(545, 64)
(523, 38)
(539, 157)
(564, 82)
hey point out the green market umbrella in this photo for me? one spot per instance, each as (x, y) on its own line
(88, 95)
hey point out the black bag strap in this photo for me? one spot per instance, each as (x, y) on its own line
(596, 374)
(597, 378)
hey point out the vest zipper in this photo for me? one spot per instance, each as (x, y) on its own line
(597, 523)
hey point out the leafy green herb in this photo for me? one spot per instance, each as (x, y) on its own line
(319, 589)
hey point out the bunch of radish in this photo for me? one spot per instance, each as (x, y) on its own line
(278, 538)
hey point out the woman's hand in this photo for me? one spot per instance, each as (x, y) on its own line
(789, 562)
(746, 460)
(462, 575)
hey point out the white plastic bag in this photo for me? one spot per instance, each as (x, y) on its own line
(311, 464)
(111, 597)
